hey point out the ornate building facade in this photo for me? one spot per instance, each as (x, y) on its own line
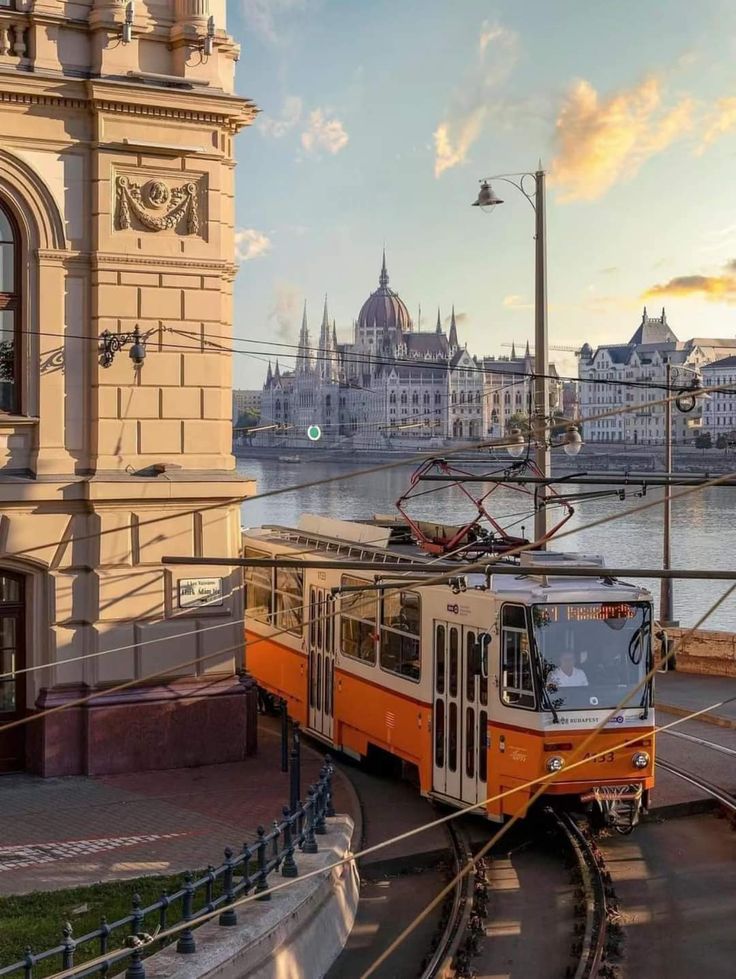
(116, 215)
(391, 382)
(642, 362)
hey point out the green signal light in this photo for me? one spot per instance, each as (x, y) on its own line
(314, 433)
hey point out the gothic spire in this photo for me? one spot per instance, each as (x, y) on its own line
(277, 372)
(438, 328)
(383, 277)
(325, 317)
(453, 329)
(269, 375)
(513, 350)
(304, 353)
(526, 352)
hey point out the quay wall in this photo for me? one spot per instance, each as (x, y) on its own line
(704, 652)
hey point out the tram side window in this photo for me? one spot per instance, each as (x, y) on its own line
(400, 629)
(517, 688)
(258, 594)
(358, 622)
(288, 594)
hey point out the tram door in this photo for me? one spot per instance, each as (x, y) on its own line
(321, 660)
(460, 711)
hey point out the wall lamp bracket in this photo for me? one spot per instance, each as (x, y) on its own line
(110, 343)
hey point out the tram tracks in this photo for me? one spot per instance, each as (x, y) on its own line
(454, 945)
(725, 798)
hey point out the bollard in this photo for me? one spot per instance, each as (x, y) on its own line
(295, 781)
(135, 968)
(262, 884)
(186, 944)
(284, 736)
(310, 844)
(288, 864)
(320, 828)
(329, 808)
(67, 956)
(228, 918)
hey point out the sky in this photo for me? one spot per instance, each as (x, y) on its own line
(379, 117)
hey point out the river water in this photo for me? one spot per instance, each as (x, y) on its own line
(703, 522)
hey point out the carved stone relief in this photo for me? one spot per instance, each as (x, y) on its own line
(156, 205)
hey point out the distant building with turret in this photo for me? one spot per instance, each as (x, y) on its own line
(633, 376)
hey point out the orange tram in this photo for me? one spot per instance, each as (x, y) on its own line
(484, 684)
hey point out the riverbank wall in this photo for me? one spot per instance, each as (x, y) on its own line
(704, 652)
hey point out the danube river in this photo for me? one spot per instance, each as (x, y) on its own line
(703, 533)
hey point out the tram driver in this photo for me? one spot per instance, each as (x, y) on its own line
(567, 674)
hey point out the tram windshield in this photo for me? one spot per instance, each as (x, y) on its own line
(592, 654)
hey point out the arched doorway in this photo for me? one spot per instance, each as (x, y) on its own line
(12, 659)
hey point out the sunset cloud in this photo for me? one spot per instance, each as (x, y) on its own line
(720, 288)
(250, 243)
(278, 126)
(601, 141)
(720, 121)
(469, 107)
(324, 134)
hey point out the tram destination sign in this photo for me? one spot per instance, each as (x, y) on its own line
(194, 592)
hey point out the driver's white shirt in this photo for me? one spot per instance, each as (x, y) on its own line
(575, 679)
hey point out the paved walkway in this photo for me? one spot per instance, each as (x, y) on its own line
(682, 693)
(64, 832)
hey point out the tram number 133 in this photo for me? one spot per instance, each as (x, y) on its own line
(607, 757)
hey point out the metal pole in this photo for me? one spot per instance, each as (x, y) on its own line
(541, 353)
(284, 736)
(665, 588)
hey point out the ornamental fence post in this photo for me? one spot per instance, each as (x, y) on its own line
(186, 944)
(228, 918)
(310, 844)
(288, 865)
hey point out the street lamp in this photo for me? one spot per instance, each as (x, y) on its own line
(487, 200)
(571, 443)
(685, 402)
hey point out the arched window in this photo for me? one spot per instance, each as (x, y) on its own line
(9, 314)
(426, 397)
(415, 398)
(392, 398)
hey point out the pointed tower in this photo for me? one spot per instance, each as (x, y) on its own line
(513, 351)
(438, 328)
(454, 344)
(383, 277)
(269, 376)
(527, 354)
(324, 348)
(277, 374)
(304, 352)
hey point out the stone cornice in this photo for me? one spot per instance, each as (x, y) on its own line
(113, 260)
(127, 97)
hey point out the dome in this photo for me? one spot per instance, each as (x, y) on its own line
(383, 309)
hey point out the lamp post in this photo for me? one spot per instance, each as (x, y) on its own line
(487, 200)
(685, 402)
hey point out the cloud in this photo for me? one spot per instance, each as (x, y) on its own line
(601, 141)
(469, 105)
(250, 243)
(609, 270)
(514, 301)
(719, 288)
(324, 134)
(262, 15)
(286, 309)
(459, 318)
(722, 119)
(278, 126)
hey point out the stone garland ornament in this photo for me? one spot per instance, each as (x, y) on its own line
(142, 201)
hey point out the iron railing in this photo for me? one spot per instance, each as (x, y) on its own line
(239, 874)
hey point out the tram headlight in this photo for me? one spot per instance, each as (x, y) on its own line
(555, 764)
(640, 759)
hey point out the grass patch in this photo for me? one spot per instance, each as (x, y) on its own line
(37, 920)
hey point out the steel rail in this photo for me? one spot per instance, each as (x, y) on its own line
(440, 963)
(722, 748)
(593, 941)
(721, 795)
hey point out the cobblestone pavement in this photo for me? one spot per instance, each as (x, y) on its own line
(64, 832)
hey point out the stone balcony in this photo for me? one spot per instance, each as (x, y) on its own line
(14, 31)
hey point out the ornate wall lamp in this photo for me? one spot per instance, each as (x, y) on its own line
(127, 28)
(110, 343)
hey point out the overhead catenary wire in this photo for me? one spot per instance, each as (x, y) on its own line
(215, 342)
